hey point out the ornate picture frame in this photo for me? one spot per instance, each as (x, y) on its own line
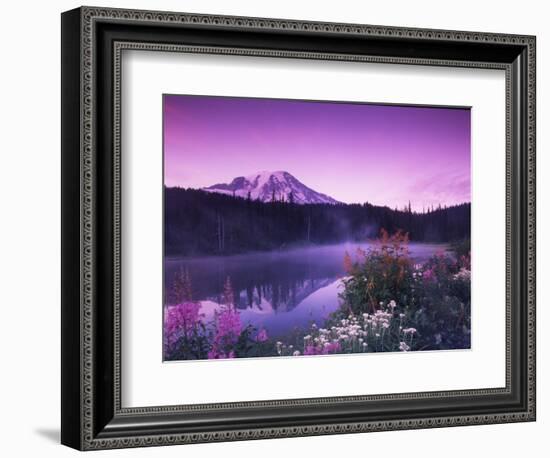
(93, 416)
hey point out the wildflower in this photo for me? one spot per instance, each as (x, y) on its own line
(214, 354)
(310, 350)
(403, 346)
(228, 330)
(463, 275)
(465, 261)
(261, 336)
(392, 304)
(348, 263)
(229, 323)
(429, 275)
(296, 353)
(332, 347)
(409, 331)
(179, 321)
(181, 316)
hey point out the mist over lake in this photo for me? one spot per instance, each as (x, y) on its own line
(277, 290)
(301, 227)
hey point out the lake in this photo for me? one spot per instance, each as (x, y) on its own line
(277, 290)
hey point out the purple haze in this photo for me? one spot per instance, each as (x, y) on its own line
(383, 154)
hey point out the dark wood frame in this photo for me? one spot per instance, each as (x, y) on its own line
(92, 42)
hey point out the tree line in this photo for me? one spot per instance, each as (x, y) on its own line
(200, 223)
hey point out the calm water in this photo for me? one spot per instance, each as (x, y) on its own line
(278, 291)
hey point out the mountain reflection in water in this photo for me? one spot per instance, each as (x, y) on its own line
(276, 290)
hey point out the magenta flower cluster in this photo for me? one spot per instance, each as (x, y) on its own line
(262, 336)
(188, 335)
(429, 275)
(179, 320)
(322, 349)
(228, 330)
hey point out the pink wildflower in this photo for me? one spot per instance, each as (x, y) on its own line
(228, 330)
(323, 349)
(179, 320)
(181, 317)
(429, 275)
(311, 350)
(465, 261)
(261, 336)
(332, 347)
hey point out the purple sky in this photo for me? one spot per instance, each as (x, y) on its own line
(386, 155)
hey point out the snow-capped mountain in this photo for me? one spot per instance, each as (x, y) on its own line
(272, 186)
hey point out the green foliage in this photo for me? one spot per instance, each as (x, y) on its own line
(388, 303)
(461, 247)
(248, 346)
(433, 298)
(379, 275)
(193, 344)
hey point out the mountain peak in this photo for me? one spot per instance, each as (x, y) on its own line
(268, 186)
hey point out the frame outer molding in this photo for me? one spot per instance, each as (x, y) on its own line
(83, 425)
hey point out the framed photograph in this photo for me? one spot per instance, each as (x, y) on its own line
(276, 228)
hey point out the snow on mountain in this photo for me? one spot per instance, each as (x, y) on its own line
(272, 186)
